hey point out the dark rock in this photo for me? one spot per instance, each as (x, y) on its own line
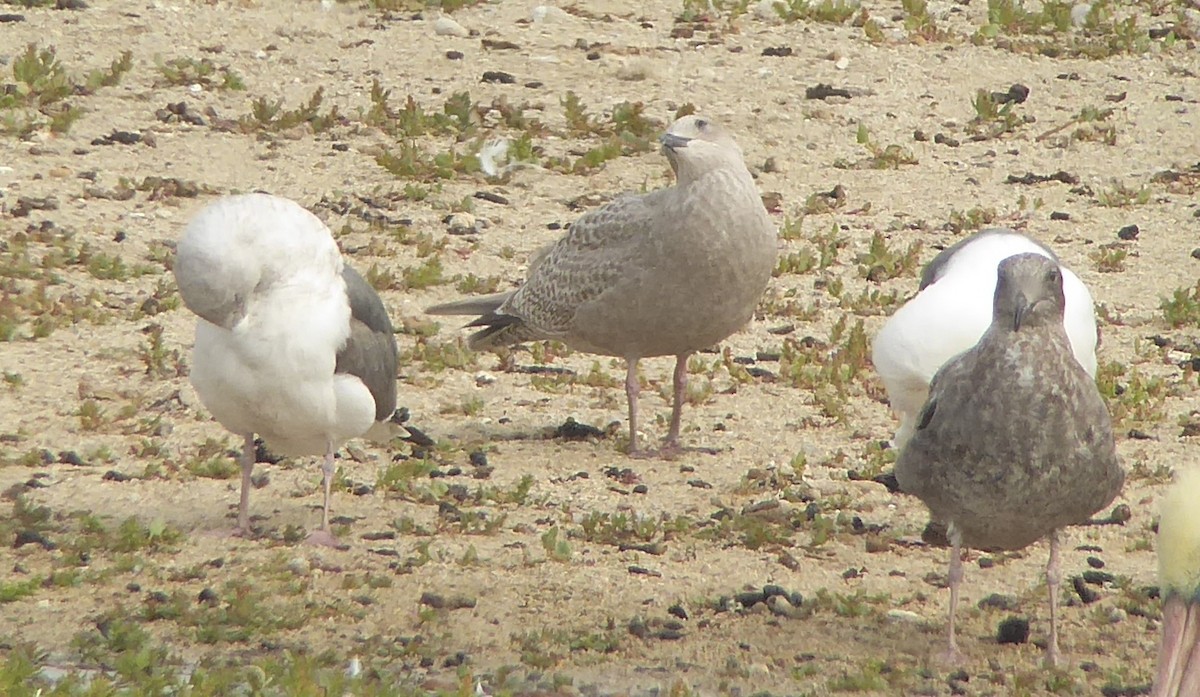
(498, 76)
(1087, 595)
(454, 55)
(32, 537)
(491, 197)
(1016, 94)
(1128, 233)
(824, 91)
(777, 51)
(208, 596)
(749, 598)
(1097, 578)
(573, 430)
(1013, 630)
(1059, 215)
(1095, 562)
(115, 476)
(995, 601)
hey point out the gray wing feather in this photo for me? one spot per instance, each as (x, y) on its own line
(587, 260)
(370, 353)
(597, 250)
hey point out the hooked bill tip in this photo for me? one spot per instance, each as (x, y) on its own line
(673, 141)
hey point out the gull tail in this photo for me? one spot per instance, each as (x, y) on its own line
(499, 329)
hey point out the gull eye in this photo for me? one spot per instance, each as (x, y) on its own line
(701, 124)
(1054, 275)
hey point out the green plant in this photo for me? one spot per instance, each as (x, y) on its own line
(1183, 307)
(203, 72)
(887, 157)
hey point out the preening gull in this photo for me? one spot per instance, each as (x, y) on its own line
(1015, 441)
(659, 274)
(291, 342)
(1179, 578)
(953, 309)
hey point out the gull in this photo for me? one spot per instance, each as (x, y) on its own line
(1179, 578)
(1015, 441)
(291, 342)
(952, 311)
(664, 273)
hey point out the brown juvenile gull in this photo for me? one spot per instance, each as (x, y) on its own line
(1179, 577)
(1015, 441)
(291, 343)
(659, 274)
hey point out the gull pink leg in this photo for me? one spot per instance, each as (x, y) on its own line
(1053, 582)
(1179, 654)
(632, 389)
(324, 536)
(247, 462)
(951, 655)
(680, 380)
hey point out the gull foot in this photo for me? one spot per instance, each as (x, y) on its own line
(324, 538)
(949, 657)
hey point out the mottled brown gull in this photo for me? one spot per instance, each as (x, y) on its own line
(1179, 577)
(291, 343)
(952, 311)
(664, 273)
(1015, 441)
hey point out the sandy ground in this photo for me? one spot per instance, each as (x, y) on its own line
(621, 618)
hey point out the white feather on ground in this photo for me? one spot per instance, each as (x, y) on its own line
(951, 312)
(291, 343)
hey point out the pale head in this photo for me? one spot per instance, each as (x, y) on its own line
(696, 144)
(1029, 293)
(1179, 536)
(1178, 672)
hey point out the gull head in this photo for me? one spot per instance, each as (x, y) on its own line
(696, 144)
(1029, 292)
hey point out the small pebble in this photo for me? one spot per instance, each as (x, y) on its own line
(445, 26)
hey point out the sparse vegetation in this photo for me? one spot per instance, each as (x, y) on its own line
(880, 157)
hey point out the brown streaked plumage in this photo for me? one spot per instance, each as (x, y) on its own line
(1015, 441)
(658, 274)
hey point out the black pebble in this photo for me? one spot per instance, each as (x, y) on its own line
(1097, 578)
(32, 537)
(1013, 630)
(640, 489)
(133, 587)
(749, 598)
(573, 430)
(208, 596)
(678, 611)
(115, 476)
(454, 55)
(995, 601)
(778, 51)
(1087, 595)
(478, 458)
(1059, 215)
(1128, 233)
(498, 76)
(1095, 562)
